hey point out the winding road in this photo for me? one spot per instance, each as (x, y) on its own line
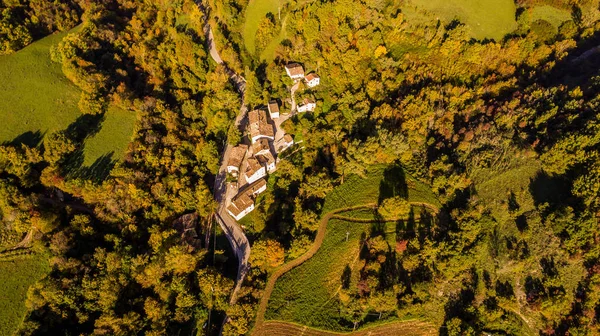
(222, 190)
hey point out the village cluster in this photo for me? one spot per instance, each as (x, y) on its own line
(251, 162)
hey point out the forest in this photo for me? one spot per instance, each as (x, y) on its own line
(473, 164)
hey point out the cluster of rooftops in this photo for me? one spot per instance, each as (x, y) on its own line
(251, 163)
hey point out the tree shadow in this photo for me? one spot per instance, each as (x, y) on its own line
(554, 190)
(393, 183)
(97, 172)
(29, 138)
(85, 126)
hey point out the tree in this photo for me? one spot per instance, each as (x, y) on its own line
(394, 208)
(57, 147)
(267, 254)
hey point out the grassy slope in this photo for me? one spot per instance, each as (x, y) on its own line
(34, 94)
(357, 190)
(551, 14)
(114, 137)
(485, 18)
(36, 97)
(256, 11)
(305, 294)
(15, 278)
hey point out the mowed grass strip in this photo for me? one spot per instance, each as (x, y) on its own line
(491, 19)
(306, 294)
(16, 276)
(36, 97)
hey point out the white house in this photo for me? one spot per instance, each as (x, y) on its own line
(295, 71)
(267, 160)
(254, 170)
(273, 109)
(235, 159)
(307, 106)
(312, 79)
(259, 126)
(243, 203)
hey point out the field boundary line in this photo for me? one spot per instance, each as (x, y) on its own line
(365, 331)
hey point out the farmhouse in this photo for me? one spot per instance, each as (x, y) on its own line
(243, 203)
(254, 170)
(312, 79)
(307, 106)
(261, 147)
(273, 109)
(260, 126)
(295, 71)
(267, 160)
(235, 159)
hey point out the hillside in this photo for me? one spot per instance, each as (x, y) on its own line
(36, 99)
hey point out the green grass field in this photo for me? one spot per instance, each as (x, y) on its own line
(16, 276)
(256, 11)
(35, 96)
(485, 18)
(357, 190)
(307, 293)
(551, 14)
(114, 136)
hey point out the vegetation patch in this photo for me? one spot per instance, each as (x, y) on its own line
(380, 182)
(256, 13)
(553, 15)
(36, 99)
(16, 275)
(112, 140)
(491, 19)
(307, 293)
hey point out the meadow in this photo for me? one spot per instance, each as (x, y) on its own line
(553, 15)
(36, 99)
(16, 275)
(491, 19)
(255, 12)
(379, 182)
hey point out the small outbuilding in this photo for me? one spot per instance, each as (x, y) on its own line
(273, 109)
(267, 160)
(312, 79)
